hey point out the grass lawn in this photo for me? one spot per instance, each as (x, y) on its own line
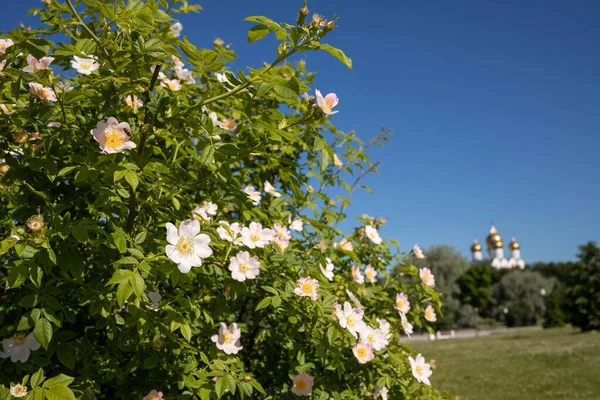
(545, 365)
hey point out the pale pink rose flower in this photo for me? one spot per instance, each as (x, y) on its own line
(154, 395)
(327, 103)
(402, 303)
(243, 267)
(228, 338)
(43, 92)
(303, 384)
(371, 274)
(307, 287)
(427, 277)
(35, 65)
(337, 161)
(420, 370)
(357, 274)
(363, 352)
(112, 136)
(418, 252)
(430, 314)
(85, 65)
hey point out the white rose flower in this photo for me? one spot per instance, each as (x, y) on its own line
(402, 303)
(85, 65)
(230, 233)
(430, 314)
(307, 287)
(256, 236)
(374, 337)
(18, 391)
(407, 326)
(270, 189)
(19, 347)
(243, 267)
(427, 277)
(420, 370)
(373, 234)
(363, 352)
(253, 194)
(303, 384)
(297, 225)
(113, 136)
(371, 274)
(328, 270)
(357, 274)
(351, 319)
(228, 338)
(35, 65)
(176, 29)
(327, 103)
(418, 252)
(187, 246)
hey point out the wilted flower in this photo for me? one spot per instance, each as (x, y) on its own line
(357, 274)
(19, 347)
(18, 391)
(43, 92)
(372, 234)
(253, 194)
(303, 384)
(3, 166)
(154, 395)
(85, 65)
(430, 314)
(307, 287)
(155, 298)
(418, 252)
(328, 270)
(187, 246)
(35, 222)
(297, 225)
(318, 20)
(34, 65)
(218, 42)
(5, 109)
(407, 326)
(371, 274)
(172, 84)
(243, 267)
(337, 161)
(256, 236)
(112, 136)
(228, 338)
(351, 319)
(270, 189)
(231, 233)
(354, 299)
(427, 277)
(402, 303)
(5, 44)
(176, 29)
(133, 102)
(363, 352)
(327, 103)
(420, 370)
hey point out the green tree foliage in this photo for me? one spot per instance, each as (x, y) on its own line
(448, 264)
(475, 286)
(128, 133)
(519, 297)
(583, 288)
(554, 317)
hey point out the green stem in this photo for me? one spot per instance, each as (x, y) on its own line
(246, 84)
(91, 33)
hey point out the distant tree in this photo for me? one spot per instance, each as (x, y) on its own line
(561, 272)
(519, 297)
(448, 264)
(475, 286)
(554, 316)
(583, 288)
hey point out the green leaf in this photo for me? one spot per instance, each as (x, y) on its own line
(263, 88)
(205, 394)
(119, 276)
(43, 332)
(339, 54)
(271, 290)
(280, 33)
(258, 32)
(127, 260)
(59, 392)
(276, 301)
(65, 171)
(37, 378)
(66, 354)
(220, 387)
(61, 380)
(140, 237)
(186, 331)
(258, 386)
(263, 303)
(208, 154)
(138, 284)
(80, 233)
(143, 21)
(118, 175)
(288, 89)
(132, 178)
(124, 290)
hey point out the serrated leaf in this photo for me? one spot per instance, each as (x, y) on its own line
(119, 276)
(263, 88)
(138, 284)
(220, 387)
(37, 378)
(132, 178)
(59, 392)
(124, 290)
(258, 32)
(339, 54)
(43, 332)
(140, 237)
(60, 379)
(66, 354)
(280, 33)
(186, 331)
(208, 154)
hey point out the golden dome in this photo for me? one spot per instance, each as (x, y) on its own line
(513, 245)
(494, 239)
(476, 246)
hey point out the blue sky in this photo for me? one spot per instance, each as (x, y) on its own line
(494, 107)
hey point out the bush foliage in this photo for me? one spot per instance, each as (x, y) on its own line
(161, 236)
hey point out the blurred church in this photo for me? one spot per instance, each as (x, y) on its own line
(495, 252)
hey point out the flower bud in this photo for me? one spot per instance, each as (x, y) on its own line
(310, 189)
(303, 11)
(328, 27)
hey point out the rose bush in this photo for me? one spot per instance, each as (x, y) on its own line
(169, 228)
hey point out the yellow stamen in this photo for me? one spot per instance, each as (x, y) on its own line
(114, 139)
(185, 246)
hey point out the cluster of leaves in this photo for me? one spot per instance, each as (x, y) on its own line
(81, 280)
(583, 288)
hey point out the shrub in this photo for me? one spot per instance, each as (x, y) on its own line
(160, 234)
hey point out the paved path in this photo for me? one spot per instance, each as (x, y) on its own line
(471, 333)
